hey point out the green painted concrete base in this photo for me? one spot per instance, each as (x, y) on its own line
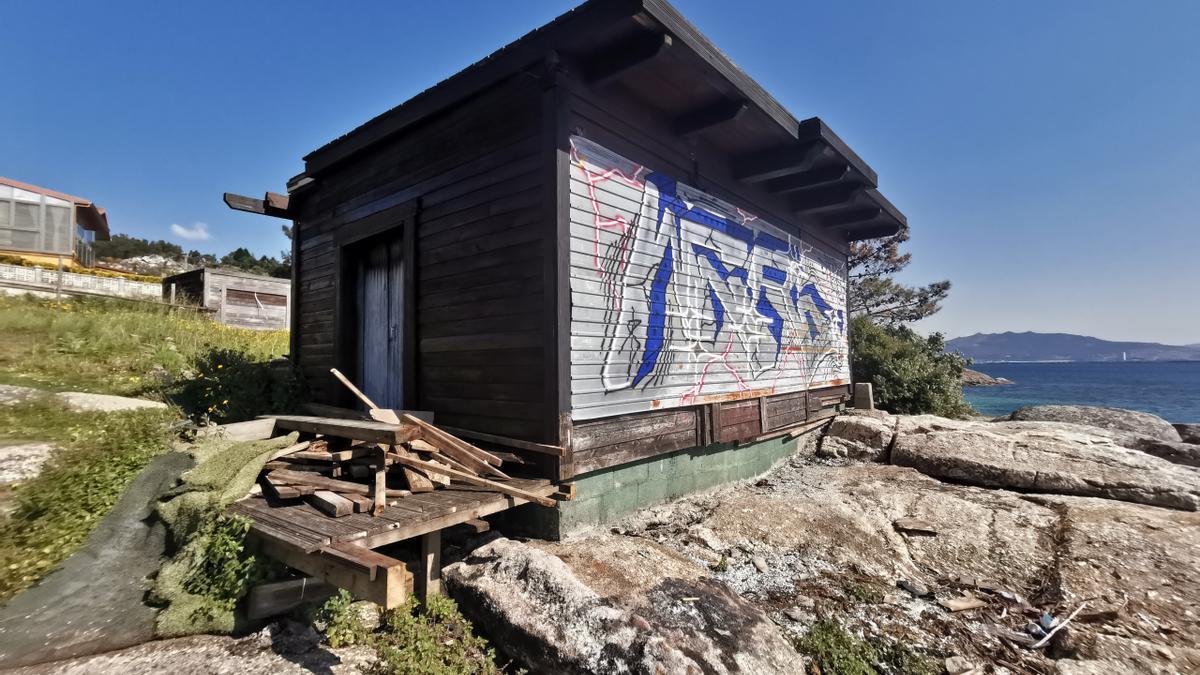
(606, 495)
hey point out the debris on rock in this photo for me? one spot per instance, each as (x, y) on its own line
(914, 526)
(959, 665)
(962, 603)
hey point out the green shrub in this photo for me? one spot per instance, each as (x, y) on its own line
(226, 570)
(230, 386)
(343, 628)
(911, 374)
(432, 640)
(837, 652)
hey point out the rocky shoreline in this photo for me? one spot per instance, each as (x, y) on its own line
(1057, 540)
(974, 378)
(910, 543)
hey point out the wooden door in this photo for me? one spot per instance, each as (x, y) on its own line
(380, 319)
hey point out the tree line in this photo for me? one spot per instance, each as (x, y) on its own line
(122, 246)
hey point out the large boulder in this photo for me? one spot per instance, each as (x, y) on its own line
(1190, 433)
(858, 436)
(533, 603)
(1139, 569)
(1042, 457)
(1105, 418)
(833, 543)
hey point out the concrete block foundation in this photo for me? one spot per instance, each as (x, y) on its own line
(606, 495)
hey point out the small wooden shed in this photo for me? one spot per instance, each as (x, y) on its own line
(601, 243)
(235, 298)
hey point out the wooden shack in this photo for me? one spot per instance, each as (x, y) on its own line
(602, 246)
(234, 298)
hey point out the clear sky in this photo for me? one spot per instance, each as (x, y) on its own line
(1047, 154)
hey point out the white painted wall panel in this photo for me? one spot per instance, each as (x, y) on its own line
(678, 298)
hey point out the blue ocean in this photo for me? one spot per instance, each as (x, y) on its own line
(1170, 390)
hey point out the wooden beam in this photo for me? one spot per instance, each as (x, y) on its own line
(622, 58)
(836, 173)
(379, 484)
(504, 440)
(366, 574)
(476, 480)
(288, 477)
(280, 597)
(359, 430)
(825, 198)
(331, 503)
(419, 526)
(874, 232)
(262, 207)
(851, 216)
(815, 129)
(243, 203)
(457, 448)
(274, 201)
(709, 117)
(429, 574)
(777, 162)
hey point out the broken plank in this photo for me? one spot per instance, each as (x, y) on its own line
(334, 455)
(434, 434)
(331, 503)
(288, 477)
(281, 492)
(360, 430)
(291, 449)
(555, 450)
(476, 480)
(362, 503)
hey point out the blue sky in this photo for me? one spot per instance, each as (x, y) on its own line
(1047, 154)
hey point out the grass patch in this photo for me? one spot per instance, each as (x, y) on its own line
(101, 453)
(434, 639)
(111, 346)
(864, 592)
(837, 652)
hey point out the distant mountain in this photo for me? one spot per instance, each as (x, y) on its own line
(991, 347)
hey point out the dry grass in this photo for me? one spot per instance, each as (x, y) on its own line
(112, 346)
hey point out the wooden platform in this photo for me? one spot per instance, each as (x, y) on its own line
(339, 550)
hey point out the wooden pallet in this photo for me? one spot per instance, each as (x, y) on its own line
(340, 550)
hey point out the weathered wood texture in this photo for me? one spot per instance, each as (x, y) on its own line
(237, 299)
(304, 527)
(599, 444)
(479, 357)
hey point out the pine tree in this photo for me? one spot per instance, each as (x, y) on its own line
(875, 294)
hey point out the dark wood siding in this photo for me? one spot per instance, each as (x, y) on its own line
(475, 174)
(626, 438)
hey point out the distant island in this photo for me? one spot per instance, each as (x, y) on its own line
(1010, 347)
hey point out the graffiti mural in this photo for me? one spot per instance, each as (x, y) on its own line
(678, 298)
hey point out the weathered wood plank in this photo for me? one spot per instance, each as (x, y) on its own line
(331, 503)
(360, 430)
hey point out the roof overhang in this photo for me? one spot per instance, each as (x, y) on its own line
(658, 58)
(87, 214)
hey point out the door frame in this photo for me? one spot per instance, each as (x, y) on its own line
(402, 217)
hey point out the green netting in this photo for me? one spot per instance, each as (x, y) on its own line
(224, 472)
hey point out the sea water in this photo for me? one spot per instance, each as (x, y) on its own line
(1169, 389)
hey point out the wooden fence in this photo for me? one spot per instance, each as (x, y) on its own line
(36, 279)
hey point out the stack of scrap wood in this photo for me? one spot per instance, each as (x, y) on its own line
(344, 465)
